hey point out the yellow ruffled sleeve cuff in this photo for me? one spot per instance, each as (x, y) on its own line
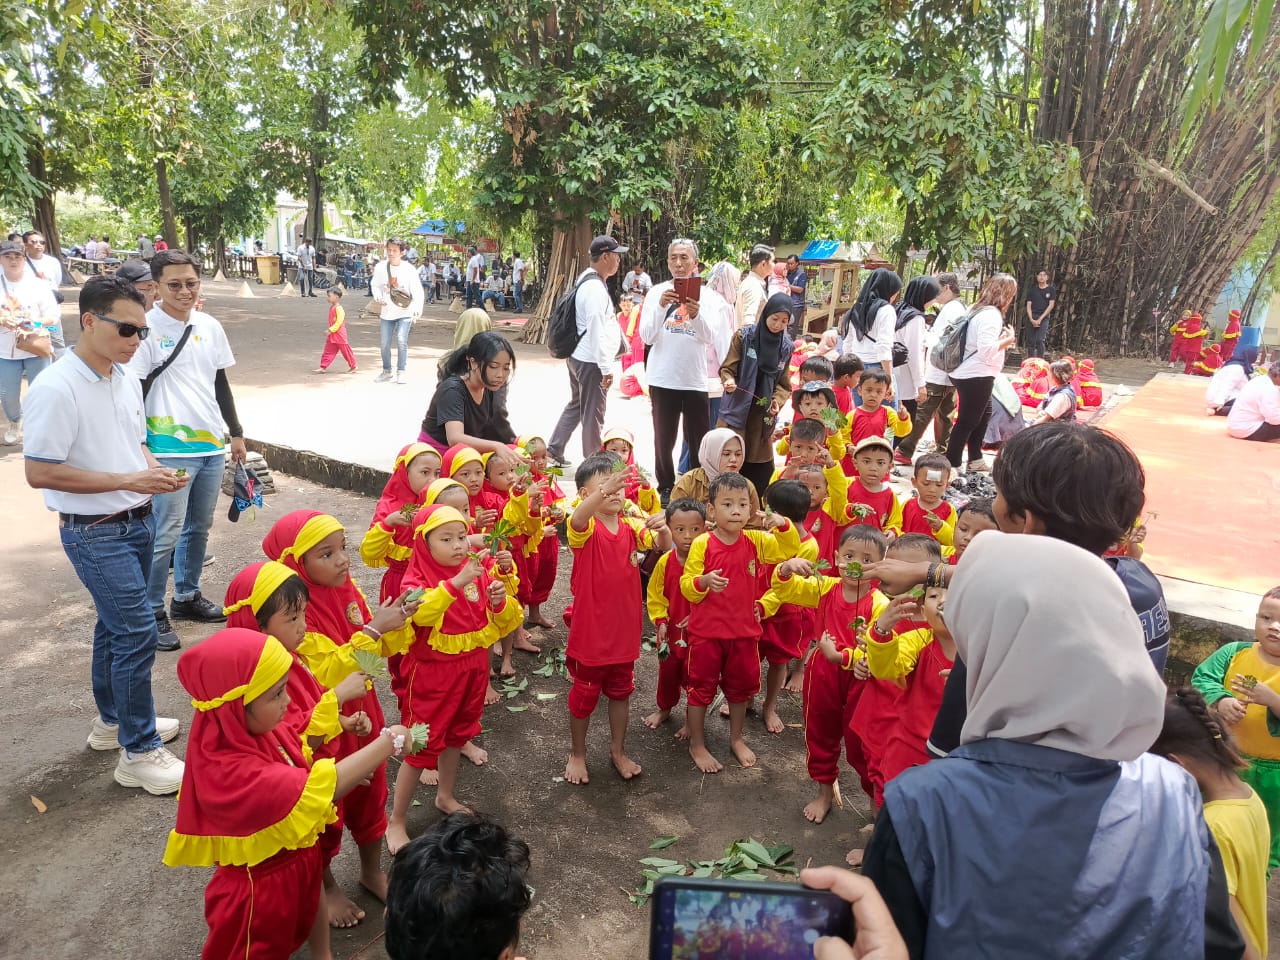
(313, 811)
(324, 718)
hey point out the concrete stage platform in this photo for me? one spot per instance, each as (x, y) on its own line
(1212, 533)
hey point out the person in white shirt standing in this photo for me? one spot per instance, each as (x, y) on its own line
(940, 396)
(475, 266)
(427, 277)
(517, 282)
(636, 284)
(29, 331)
(397, 274)
(91, 249)
(754, 289)
(592, 363)
(678, 334)
(987, 338)
(189, 410)
(867, 329)
(306, 269)
(86, 450)
(47, 268)
(1256, 413)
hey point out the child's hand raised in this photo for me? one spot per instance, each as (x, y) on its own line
(615, 481)
(356, 685)
(485, 518)
(715, 581)
(392, 613)
(497, 595)
(469, 572)
(396, 519)
(656, 522)
(824, 459)
(902, 607)
(505, 562)
(795, 567)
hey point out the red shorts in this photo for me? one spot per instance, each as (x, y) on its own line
(784, 636)
(448, 694)
(731, 665)
(364, 809)
(617, 681)
(263, 912)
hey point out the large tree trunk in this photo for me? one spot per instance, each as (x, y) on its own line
(43, 217)
(569, 257)
(315, 201)
(167, 215)
(1172, 215)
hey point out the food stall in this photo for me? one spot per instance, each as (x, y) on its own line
(833, 267)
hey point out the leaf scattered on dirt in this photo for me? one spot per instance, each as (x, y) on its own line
(38, 804)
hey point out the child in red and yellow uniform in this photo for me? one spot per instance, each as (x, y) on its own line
(927, 512)
(313, 545)
(1175, 348)
(669, 610)
(538, 552)
(510, 497)
(721, 581)
(809, 403)
(1231, 335)
(871, 459)
(1189, 342)
(639, 490)
(1209, 361)
(872, 418)
(336, 328)
(1241, 683)
(250, 804)
(971, 519)
(463, 463)
(901, 649)
(604, 633)
(829, 508)
(830, 693)
(462, 614)
(389, 539)
(1090, 389)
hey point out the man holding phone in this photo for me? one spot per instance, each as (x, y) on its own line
(86, 449)
(679, 320)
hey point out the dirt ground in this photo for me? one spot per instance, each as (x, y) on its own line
(85, 877)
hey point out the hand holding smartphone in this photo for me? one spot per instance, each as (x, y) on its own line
(688, 288)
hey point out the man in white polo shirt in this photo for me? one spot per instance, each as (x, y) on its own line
(85, 448)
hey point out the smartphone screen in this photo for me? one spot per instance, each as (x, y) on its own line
(693, 920)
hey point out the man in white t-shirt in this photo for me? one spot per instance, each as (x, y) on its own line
(91, 249)
(475, 265)
(44, 266)
(592, 362)
(86, 450)
(517, 282)
(678, 335)
(1256, 413)
(189, 411)
(306, 269)
(395, 272)
(754, 290)
(30, 331)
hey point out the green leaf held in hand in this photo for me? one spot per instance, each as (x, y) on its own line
(418, 735)
(371, 663)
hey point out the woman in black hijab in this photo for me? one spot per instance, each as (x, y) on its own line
(757, 381)
(867, 329)
(908, 376)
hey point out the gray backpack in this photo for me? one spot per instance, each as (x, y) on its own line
(949, 352)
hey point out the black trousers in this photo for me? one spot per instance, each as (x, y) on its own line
(759, 474)
(1037, 337)
(974, 400)
(671, 409)
(1266, 432)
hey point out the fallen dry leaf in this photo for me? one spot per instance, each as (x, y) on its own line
(38, 804)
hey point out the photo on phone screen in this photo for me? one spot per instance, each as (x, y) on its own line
(711, 919)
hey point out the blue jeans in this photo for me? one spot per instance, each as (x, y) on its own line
(473, 295)
(11, 383)
(857, 397)
(113, 561)
(399, 329)
(517, 294)
(306, 282)
(713, 406)
(183, 519)
(494, 295)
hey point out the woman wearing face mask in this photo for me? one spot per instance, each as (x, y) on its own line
(1050, 832)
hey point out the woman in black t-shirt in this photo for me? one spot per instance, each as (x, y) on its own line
(470, 402)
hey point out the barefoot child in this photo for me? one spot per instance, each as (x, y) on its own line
(604, 634)
(785, 629)
(509, 497)
(831, 689)
(927, 512)
(871, 459)
(250, 804)
(639, 490)
(1241, 683)
(538, 558)
(389, 539)
(336, 341)
(721, 581)
(1201, 745)
(314, 545)
(878, 715)
(463, 613)
(669, 610)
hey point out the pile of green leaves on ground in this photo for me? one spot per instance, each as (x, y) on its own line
(743, 860)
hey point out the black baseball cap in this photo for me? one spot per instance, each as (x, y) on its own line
(135, 271)
(606, 245)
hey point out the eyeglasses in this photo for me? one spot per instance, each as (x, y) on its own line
(176, 285)
(127, 330)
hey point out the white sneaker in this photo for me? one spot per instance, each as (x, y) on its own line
(383, 377)
(400, 377)
(106, 736)
(11, 433)
(158, 771)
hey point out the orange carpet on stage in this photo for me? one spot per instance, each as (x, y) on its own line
(1211, 499)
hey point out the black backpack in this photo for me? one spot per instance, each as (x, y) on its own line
(563, 335)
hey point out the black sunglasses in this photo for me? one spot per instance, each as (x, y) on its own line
(127, 329)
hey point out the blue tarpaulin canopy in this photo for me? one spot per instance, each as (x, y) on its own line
(440, 227)
(820, 250)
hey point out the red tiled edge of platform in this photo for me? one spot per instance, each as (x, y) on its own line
(1212, 497)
